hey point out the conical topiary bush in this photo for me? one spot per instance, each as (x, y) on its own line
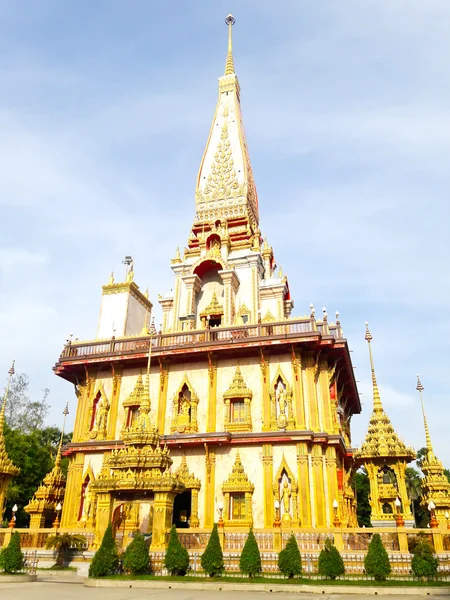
(11, 559)
(212, 558)
(289, 559)
(136, 558)
(250, 561)
(376, 561)
(331, 564)
(176, 559)
(424, 564)
(106, 559)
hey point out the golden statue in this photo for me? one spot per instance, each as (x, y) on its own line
(286, 497)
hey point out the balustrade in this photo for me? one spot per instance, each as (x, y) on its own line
(219, 335)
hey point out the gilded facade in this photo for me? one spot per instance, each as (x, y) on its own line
(239, 404)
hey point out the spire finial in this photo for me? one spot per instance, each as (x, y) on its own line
(229, 65)
(420, 389)
(58, 455)
(376, 394)
(5, 398)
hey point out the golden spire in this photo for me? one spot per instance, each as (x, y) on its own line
(420, 389)
(229, 65)
(376, 394)
(381, 438)
(58, 455)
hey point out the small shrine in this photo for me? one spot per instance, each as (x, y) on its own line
(385, 456)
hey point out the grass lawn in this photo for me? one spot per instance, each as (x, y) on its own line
(298, 581)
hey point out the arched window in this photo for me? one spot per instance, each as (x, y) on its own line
(94, 411)
(84, 488)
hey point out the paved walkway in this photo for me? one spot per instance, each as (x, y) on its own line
(71, 588)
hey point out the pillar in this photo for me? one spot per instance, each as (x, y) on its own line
(194, 509)
(265, 394)
(212, 394)
(112, 420)
(162, 519)
(304, 498)
(318, 485)
(103, 516)
(193, 285)
(297, 387)
(311, 393)
(210, 472)
(72, 496)
(230, 284)
(269, 499)
(332, 484)
(324, 398)
(162, 395)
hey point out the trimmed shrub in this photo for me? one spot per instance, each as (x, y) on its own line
(376, 561)
(212, 558)
(176, 559)
(136, 557)
(289, 559)
(331, 564)
(12, 559)
(424, 564)
(250, 561)
(106, 559)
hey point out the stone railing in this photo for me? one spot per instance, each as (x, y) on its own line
(217, 336)
(37, 538)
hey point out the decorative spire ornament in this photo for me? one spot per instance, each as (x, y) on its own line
(229, 65)
(420, 388)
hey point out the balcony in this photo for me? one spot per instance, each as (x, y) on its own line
(162, 343)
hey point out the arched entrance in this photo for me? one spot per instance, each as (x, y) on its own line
(182, 510)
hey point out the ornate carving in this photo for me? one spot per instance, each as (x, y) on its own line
(185, 402)
(238, 489)
(285, 490)
(281, 411)
(237, 399)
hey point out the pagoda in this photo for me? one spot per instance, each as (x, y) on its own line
(7, 470)
(435, 485)
(44, 507)
(254, 401)
(384, 456)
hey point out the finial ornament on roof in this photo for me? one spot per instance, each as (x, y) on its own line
(229, 65)
(376, 394)
(420, 388)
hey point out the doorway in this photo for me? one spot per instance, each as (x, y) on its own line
(182, 510)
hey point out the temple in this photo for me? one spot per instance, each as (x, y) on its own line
(235, 408)
(385, 457)
(435, 485)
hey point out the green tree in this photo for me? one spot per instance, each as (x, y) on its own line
(447, 474)
(289, 559)
(22, 413)
(62, 543)
(136, 557)
(376, 561)
(362, 490)
(212, 558)
(331, 564)
(34, 454)
(250, 561)
(420, 456)
(11, 558)
(176, 559)
(413, 488)
(106, 559)
(424, 564)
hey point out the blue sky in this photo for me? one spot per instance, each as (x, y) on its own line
(104, 113)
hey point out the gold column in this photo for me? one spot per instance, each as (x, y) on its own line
(210, 472)
(103, 516)
(112, 421)
(162, 396)
(331, 468)
(311, 392)
(212, 394)
(304, 497)
(265, 378)
(297, 386)
(83, 394)
(319, 490)
(72, 496)
(194, 509)
(325, 399)
(269, 499)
